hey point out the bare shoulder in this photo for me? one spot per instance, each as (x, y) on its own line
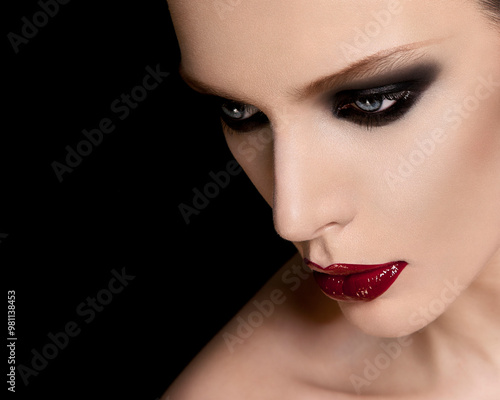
(260, 353)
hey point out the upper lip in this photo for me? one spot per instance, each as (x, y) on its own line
(346, 269)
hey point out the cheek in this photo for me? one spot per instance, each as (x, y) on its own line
(447, 205)
(478, 144)
(445, 220)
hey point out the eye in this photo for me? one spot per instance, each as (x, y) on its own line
(377, 103)
(377, 106)
(241, 117)
(238, 111)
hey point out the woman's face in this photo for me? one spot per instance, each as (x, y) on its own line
(373, 130)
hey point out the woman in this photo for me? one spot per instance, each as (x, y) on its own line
(373, 131)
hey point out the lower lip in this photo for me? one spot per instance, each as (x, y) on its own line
(361, 286)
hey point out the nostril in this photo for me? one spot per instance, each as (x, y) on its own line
(327, 227)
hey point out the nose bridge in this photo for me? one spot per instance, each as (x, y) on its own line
(292, 162)
(308, 190)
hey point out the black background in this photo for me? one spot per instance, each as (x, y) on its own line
(119, 207)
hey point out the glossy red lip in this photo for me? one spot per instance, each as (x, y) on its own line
(356, 282)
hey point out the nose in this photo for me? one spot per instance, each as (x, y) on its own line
(314, 188)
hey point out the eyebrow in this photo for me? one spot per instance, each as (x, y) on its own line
(202, 87)
(379, 62)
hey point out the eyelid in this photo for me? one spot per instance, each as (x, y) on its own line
(381, 118)
(414, 80)
(380, 90)
(416, 87)
(236, 105)
(424, 72)
(246, 125)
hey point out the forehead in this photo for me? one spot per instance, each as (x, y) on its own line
(263, 47)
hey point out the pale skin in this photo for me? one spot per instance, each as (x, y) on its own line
(424, 188)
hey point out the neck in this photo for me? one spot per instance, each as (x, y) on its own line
(467, 334)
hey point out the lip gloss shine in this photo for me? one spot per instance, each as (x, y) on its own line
(356, 282)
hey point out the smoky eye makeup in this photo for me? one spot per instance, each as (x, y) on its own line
(370, 102)
(380, 104)
(241, 117)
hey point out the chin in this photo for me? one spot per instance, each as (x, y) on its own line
(386, 318)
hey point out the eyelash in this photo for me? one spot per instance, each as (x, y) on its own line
(404, 95)
(244, 125)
